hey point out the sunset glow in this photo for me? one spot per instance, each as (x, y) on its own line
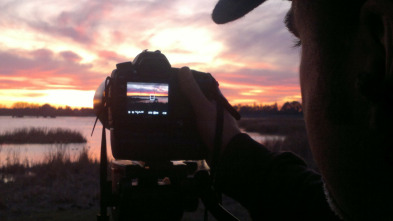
(60, 52)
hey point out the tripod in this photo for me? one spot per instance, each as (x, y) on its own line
(159, 191)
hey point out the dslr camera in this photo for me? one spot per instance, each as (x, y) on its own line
(159, 169)
(148, 116)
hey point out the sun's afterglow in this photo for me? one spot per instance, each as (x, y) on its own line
(61, 97)
(187, 44)
(59, 52)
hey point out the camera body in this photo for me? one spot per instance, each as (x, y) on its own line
(148, 116)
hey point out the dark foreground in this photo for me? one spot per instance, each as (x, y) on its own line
(55, 186)
(59, 189)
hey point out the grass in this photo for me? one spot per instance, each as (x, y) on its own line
(41, 135)
(55, 185)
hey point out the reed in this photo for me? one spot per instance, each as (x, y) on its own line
(41, 135)
(60, 182)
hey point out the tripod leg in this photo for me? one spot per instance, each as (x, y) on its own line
(103, 216)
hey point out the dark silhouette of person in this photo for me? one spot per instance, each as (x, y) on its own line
(346, 77)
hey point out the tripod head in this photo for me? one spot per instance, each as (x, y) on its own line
(154, 191)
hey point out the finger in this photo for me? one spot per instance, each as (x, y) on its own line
(201, 105)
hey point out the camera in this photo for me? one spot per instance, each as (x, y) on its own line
(148, 116)
(159, 169)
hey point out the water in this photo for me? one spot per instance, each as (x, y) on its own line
(33, 153)
(263, 138)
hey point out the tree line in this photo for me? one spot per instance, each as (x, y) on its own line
(258, 110)
(21, 109)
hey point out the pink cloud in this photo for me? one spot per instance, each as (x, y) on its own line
(44, 69)
(256, 48)
(110, 55)
(70, 56)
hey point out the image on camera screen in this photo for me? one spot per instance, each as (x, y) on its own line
(147, 98)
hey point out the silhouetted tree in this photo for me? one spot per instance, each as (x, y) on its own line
(270, 108)
(292, 107)
(24, 105)
(47, 111)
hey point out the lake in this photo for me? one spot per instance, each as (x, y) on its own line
(37, 152)
(34, 153)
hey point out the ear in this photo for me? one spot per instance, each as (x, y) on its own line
(377, 15)
(376, 82)
(377, 24)
(377, 21)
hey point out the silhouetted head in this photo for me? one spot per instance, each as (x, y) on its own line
(346, 76)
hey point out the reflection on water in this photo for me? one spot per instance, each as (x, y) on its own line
(262, 138)
(34, 153)
(28, 154)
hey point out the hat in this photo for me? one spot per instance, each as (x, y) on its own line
(229, 10)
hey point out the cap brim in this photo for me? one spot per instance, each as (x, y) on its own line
(229, 10)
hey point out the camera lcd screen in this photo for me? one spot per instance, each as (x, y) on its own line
(147, 98)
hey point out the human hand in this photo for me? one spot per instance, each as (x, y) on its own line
(205, 112)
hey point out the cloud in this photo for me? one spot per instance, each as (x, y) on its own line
(78, 21)
(255, 77)
(111, 56)
(81, 24)
(44, 69)
(75, 44)
(29, 94)
(70, 56)
(260, 36)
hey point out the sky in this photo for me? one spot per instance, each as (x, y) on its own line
(58, 52)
